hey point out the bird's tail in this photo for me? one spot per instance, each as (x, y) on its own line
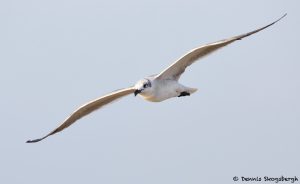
(191, 90)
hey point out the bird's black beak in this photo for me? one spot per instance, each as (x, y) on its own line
(136, 92)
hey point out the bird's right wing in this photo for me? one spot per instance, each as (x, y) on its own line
(174, 71)
(88, 108)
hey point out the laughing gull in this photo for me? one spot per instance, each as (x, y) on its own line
(155, 88)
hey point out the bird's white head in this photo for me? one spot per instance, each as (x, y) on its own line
(143, 87)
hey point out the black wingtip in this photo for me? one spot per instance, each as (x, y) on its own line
(283, 16)
(34, 141)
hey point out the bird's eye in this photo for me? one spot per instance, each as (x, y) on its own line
(145, 85)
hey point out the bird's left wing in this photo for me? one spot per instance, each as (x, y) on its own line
(177, 68)
(88, 108)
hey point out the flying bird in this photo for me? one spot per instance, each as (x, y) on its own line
(155, 88)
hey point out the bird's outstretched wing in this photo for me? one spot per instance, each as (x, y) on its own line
(177, 68)
(88, 108)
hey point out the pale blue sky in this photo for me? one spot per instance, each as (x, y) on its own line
(56, 55)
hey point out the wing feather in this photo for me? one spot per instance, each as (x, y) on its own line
(177, 68)
(87, 109)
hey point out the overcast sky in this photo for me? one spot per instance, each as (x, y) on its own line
(56, 55)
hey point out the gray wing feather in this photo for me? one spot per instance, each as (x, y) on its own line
(177, 68)
(87, 109)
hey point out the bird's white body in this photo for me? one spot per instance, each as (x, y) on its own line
(163, 89)
(155, 88)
